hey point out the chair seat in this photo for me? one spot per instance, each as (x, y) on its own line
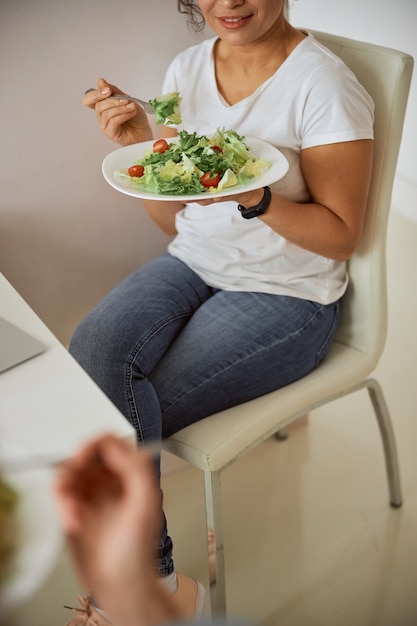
(218, 440)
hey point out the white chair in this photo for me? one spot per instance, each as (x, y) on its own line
(218, 440)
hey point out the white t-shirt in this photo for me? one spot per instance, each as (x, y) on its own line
(313, 99)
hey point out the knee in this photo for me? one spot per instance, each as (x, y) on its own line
(81, 340)
(90, 339)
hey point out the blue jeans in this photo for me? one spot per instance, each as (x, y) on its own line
(169, 350)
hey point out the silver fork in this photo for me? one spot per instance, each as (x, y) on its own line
(40, 461)
(122, 96)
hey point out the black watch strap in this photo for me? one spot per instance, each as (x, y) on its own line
(258, 209)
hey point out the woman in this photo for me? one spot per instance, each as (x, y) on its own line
(237, 307)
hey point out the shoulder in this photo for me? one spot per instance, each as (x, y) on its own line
(333, 105)
(324, 69)
(327, 82)
(188, 65)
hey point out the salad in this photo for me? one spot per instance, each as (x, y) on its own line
(193, 164)
(167, 108)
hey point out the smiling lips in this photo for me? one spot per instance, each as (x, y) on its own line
(233, 22)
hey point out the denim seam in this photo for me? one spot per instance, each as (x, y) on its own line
(129, 369)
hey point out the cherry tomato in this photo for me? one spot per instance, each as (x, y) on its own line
(136, 170)
(160, 146)
(217, 149)
(210, 180)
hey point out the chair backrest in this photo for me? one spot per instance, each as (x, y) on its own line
(386, 75)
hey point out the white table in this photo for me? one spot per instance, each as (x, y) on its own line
(48, 405)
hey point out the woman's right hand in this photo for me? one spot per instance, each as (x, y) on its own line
(121, 121)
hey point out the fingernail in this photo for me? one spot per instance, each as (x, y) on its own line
(105, 91)
(130, 106)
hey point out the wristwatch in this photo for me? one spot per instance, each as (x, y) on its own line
(258, 209)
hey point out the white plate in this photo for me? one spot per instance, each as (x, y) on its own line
(127, 156)
(39, 538)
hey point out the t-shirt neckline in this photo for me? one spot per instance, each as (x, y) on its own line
(261, 87)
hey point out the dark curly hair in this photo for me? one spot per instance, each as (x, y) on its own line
(193, 13)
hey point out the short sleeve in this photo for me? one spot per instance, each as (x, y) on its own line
(337, 107)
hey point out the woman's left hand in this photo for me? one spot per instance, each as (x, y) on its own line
(249, 198)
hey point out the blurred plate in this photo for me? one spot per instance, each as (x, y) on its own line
(39, 537)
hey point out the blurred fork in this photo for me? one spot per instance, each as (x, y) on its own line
(40, 461)
(122, 96)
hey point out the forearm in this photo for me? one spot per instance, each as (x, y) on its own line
(163, 214)
(337, 177)
(311, 226)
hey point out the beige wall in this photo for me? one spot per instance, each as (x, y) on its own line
(65, 236)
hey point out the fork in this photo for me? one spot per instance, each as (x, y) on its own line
(122, 96)
(41, 461)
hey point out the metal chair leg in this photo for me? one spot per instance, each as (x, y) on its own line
(388, 439)
(213, 496)
(214, 519)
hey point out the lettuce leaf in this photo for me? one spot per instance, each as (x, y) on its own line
(167, 108)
